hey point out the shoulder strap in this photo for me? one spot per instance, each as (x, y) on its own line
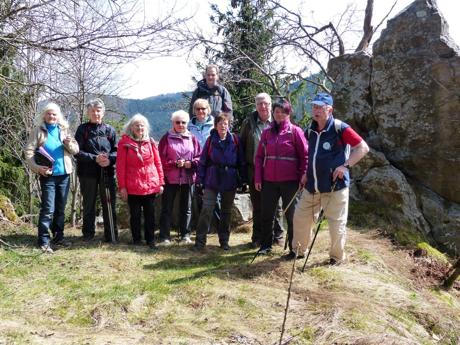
(338, 126)
(235, 139)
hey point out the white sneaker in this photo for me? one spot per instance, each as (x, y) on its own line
(164, 243)
(186, 240)
(46, 248)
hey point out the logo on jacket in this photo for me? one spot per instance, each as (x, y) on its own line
(327, 146)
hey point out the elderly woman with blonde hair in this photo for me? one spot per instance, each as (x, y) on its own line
(180, 153)
(140, 176)
(51, 139)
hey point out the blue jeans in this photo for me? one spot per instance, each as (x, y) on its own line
(52, 213)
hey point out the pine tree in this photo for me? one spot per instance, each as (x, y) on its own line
(247, 30)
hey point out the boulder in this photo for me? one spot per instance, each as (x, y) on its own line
(443, 217)
(388, 186)
(351, 91)
(415, 91)
(242, 209)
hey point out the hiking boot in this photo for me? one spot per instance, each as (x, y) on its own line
(198, 249)
(185, 240)
(225, 246)
(152, 245)
(61, 243)
(291, 256)
(254, 245)
(46, 248)
(164, 243)
(87, 238)
(265, 251)
(334, 262)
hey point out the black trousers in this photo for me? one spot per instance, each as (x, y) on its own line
(256, 201)
(89, 187)
(139, 204)
(271, 192)
(185, 209)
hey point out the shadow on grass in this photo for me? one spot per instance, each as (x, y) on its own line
(234, 264)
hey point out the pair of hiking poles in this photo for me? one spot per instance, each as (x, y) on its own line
(108, 200)
(318, 222)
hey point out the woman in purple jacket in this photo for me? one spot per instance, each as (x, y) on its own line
(179, 152)
(280, 163)
(222, 169)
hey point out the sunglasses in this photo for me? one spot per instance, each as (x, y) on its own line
(181, 122)
(201, 108)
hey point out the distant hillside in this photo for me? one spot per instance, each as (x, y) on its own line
(157, 109)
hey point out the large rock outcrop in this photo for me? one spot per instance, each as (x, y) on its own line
(410, 111)
(416, 93)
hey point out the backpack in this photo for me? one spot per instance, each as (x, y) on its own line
(235, 141)
(338, 130)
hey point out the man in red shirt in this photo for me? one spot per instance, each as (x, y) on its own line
(327, 179)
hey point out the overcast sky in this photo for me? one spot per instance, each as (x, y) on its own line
(174, 74)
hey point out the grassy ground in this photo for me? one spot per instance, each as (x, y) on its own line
(121, 294)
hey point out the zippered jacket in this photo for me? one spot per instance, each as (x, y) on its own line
(328, 150)
(139, 167)
(201, 133)
(38, 137)
(218, 97)
(282, 153)
(174, 146)
(222, 165)
(94, 139)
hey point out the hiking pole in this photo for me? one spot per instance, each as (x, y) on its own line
(319, 222)
(282, 214)
(288, 297)
(108, 200)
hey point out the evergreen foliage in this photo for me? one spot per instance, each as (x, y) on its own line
(247, 29)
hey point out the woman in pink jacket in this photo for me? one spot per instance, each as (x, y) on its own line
(180, 153)
(280, 164)
(140, 176)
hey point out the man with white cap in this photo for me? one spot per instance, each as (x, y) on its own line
(327, 179)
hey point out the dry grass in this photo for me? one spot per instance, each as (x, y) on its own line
(103, 294)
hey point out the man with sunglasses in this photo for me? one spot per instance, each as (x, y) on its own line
(327, 179)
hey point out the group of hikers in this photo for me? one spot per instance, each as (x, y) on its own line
(199, 159)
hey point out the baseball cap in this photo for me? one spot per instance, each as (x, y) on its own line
(322, 99)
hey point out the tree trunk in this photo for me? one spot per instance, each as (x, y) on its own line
(449, 282)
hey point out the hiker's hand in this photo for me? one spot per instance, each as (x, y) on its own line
(162, 189)
(44, 171)
(258, 186)
(102, 160)
(339, 172)
(67, 140)
(124, 194)
(303, 180)
(187, 164)
(198, 189)
(180, 163)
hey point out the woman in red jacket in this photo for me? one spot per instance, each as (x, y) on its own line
(140, 176)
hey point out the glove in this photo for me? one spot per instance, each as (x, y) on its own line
(199, 189)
